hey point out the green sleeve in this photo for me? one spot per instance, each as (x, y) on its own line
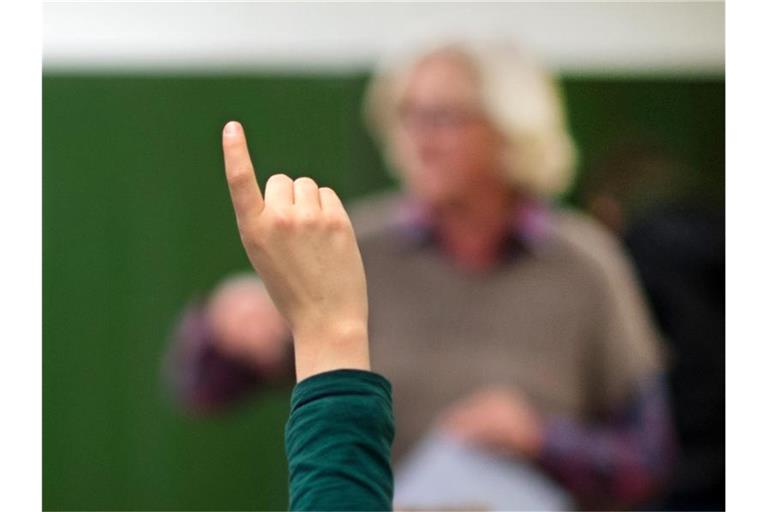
(338, 440)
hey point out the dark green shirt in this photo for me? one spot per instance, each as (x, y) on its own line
(338, 440)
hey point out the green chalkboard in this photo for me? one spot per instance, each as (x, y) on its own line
(137, 221)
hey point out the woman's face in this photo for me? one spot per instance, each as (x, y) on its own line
(444, 144)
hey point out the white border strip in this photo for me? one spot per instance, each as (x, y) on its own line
(678, 37)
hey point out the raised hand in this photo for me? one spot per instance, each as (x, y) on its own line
(299, 239)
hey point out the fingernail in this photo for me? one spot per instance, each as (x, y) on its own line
(230, 128)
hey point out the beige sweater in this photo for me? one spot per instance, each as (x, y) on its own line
(563, 321)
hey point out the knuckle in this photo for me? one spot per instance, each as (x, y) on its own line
(337, 223)
(308, 220)
(238, 177)
(281, 220)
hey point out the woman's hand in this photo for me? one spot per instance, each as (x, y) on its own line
(299, 239)
(498, 419)
(247, 326)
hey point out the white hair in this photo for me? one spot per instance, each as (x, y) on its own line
(519, 97)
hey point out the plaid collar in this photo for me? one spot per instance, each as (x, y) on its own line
(529, 225)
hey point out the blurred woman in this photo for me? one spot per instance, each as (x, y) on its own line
(499, 318)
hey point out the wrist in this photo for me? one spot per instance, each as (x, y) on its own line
(333, 347)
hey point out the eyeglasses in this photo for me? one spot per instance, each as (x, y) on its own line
(439, 117)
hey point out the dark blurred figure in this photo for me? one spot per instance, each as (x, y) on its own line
(676, 237)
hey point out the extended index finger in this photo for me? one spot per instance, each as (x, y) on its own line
(241, 177)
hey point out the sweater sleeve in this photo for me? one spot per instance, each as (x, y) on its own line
(621, 462)
(338, 440)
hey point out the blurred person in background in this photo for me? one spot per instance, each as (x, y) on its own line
(504, 321)
(676, 236)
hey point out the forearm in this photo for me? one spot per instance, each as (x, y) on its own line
(338, 442)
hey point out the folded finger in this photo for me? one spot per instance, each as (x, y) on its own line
(278, 192)
(306, 195)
